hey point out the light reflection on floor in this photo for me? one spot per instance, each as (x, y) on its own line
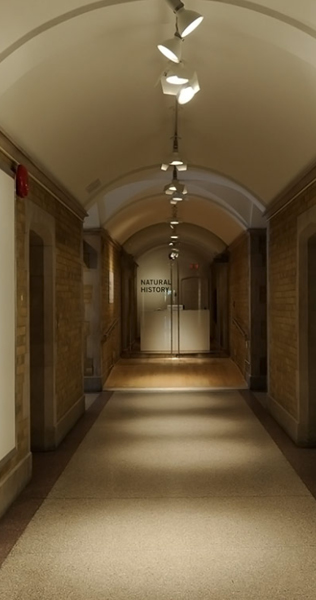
(170, 496)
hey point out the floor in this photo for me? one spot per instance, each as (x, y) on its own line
(171, 496)
(181, 373)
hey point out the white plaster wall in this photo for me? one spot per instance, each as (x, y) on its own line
(7, 315)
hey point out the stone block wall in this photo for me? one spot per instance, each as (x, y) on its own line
(282, 309)
(110, 311)
(109, 275)
(68, 299)
(129, 301)
(283, 300)
(67, 319)
(219, 322)
(239, 305)
(258, 309)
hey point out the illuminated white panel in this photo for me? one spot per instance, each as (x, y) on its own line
(155, 334)
(7, 315)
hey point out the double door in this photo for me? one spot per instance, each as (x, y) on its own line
(179, 322)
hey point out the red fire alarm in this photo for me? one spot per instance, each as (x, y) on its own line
(22, 181)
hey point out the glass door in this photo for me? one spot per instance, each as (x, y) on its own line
(189, 307)
(173, 307)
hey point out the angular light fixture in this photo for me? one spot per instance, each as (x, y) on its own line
(179, 196)
(188, 91)
(174, 160)
(187, 20)
(176, 190)
(184, 92)
(172, 49)
(174, 254)
(178, 74)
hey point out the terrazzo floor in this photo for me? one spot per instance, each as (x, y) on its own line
(170, 496)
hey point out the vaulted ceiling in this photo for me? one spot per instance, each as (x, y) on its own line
(79, 94)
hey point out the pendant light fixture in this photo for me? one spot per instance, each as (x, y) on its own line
(174, 238)
(178, 74)
(185, 91)
(175, 187)
(188, 90)
(172, 49)
(177, 80)
(175, 159)
(187, 20)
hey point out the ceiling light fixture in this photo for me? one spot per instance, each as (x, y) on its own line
(178, 74)
(174, 158)
(172, 49)
(175, 185)
(174, 254)
(176, 190)
(188, 91)
(178, 197)
(187, 20)
(184, 92)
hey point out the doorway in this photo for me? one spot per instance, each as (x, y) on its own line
(311, 339)
(41, 349)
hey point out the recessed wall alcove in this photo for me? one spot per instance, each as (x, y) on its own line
(307, 328)
(41, 382)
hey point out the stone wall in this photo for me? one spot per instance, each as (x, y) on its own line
(68, 299)
(129, 301)
(283, 301)
(67, 318)
(239, 308)
(219, 302)
(92, 306)
(258, 309)
(110, 305)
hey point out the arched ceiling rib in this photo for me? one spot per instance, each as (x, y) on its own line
(35, 23)
(78, 94)
(197, 211)
(190, 235)
(240, 204)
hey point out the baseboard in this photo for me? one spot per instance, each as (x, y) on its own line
(13, 484)
(287, 421)
(67, 422)
(257, 383)
(92, 384)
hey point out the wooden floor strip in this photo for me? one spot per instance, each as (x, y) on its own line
(180, 373)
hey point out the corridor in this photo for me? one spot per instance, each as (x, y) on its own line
(170, 496)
